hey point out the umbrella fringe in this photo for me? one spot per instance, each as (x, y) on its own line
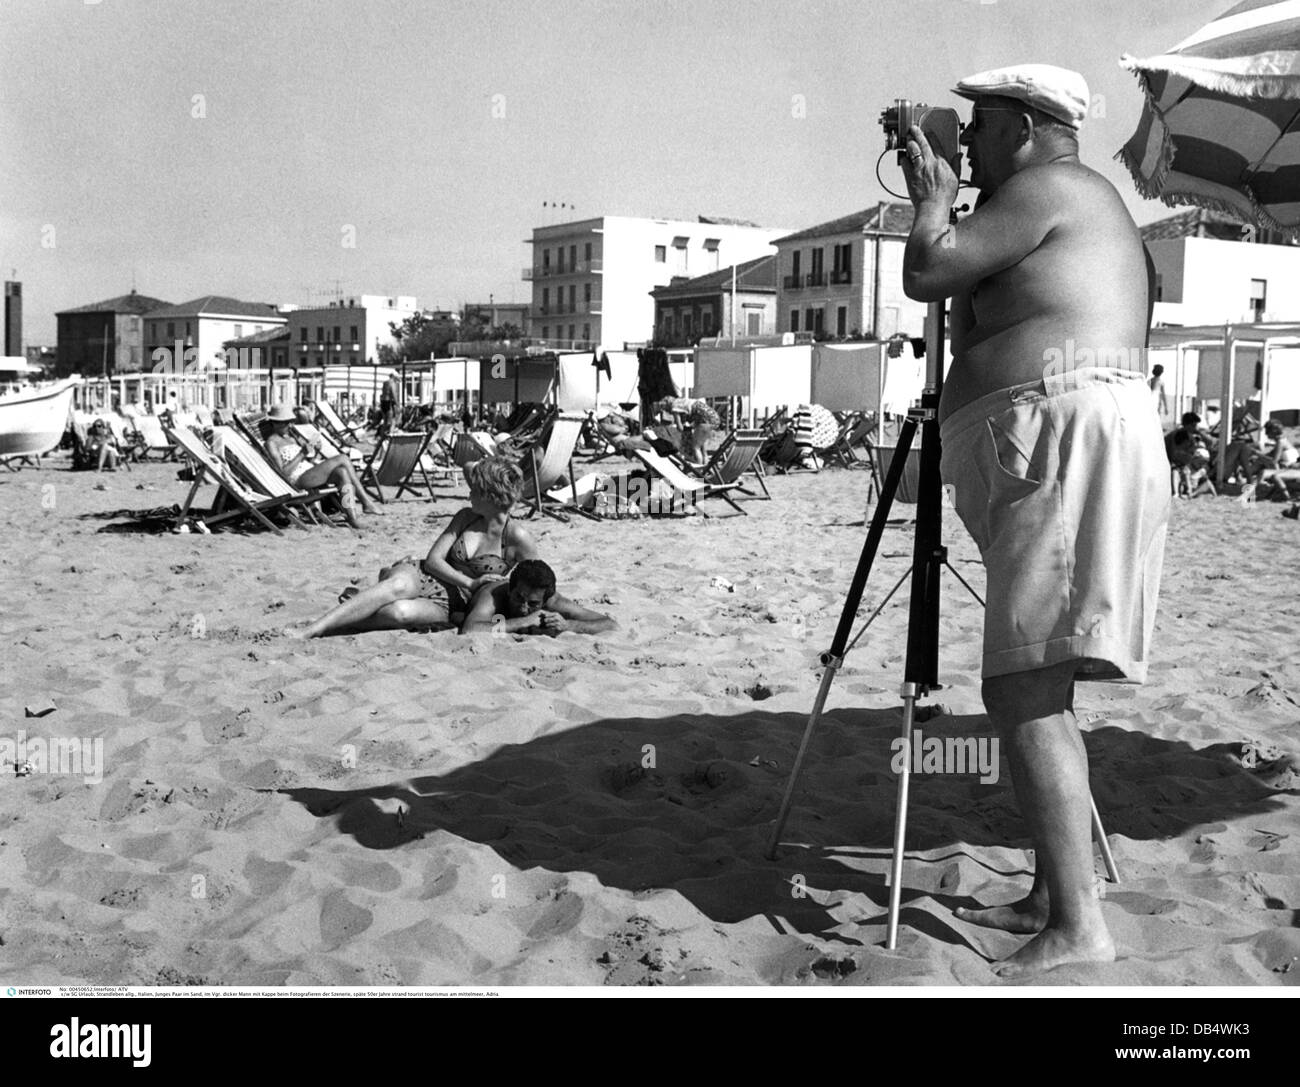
(1151, 188)
(1243, 84)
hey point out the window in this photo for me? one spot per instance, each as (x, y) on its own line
(171, 329)
(320, 333)
(706, 321)
(338, 334)
(187, 328)
(546, 332)
(239, 331)
(686, 323)
(355, 337)
(546, 299)
(679, 255)
(573, 258)
(1259, 297)
(573, 332)
(661, 254)
(303, 330)
(712, 255)
(812, 321)
(586, 295)
(794, 320)
(559, 261)
(841, 320)
(794, 267)
(842, 259)
(753, 323)
(153, 330)
(573, 298)
(586, 252)
(816, 276)
(546, 261)
(586, 333)
(257, 329)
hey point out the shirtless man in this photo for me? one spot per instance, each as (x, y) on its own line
(1055, 455)
(529, 604)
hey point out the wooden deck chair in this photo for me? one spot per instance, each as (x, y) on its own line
(334, 424)
(252, 462)
(684, 486)
(549, 465)
(909, 485)
(467, 450)
(231, 491)
(726, 469)
(840, 451)
(395, 460)
(310, 434)
(154, 438)
(128, 438)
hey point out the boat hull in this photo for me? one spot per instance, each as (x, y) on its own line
(34, 421)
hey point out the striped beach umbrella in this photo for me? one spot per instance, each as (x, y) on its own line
(1221, 124)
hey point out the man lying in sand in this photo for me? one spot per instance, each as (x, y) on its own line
(529, 604)
(1058, 470)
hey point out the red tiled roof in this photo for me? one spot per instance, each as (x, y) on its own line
(215, 305)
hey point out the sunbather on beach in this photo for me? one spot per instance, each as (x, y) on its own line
(480, 546)
(703, 420)
(295, 465)
(529, 604)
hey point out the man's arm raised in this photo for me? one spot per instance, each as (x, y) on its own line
(943, 259)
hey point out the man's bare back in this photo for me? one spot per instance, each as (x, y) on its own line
(1083, 288)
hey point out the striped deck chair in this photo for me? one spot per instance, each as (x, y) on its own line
(251, 462)
(394, 462)
(549, 465)
(231, 491)
(334, 424)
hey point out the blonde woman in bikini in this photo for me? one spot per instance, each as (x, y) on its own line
(480, 545)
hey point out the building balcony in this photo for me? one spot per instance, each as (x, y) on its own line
(563, 309)
(792, 283)
(845, 275)
(550, 271)
(815, 279)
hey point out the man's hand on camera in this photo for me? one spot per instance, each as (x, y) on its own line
(929, 178)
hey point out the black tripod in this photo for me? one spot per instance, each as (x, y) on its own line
(929, 557)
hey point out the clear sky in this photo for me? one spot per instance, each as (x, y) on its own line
(436, 129)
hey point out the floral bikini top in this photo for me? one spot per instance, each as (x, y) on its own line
(479, 565)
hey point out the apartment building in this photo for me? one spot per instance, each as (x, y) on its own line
(193, 334)
(844, 278)
(691, 308)
(349, 331)
(592, 279)
(105, 338)
(1211, 270)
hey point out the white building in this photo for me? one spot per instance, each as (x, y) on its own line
(592, 279)
(844, 278)
(1207, 274)
(194, 333)
(349, 331)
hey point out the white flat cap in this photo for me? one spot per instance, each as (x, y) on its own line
(1058, 92)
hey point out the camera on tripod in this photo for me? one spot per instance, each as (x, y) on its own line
(941, 126)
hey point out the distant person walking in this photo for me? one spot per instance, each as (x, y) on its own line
(1157, 385)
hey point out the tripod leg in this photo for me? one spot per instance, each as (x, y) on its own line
(900, 816)
(1112, 873)
(828, 677)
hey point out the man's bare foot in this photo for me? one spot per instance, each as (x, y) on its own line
(1055, 947)
(1025, 917)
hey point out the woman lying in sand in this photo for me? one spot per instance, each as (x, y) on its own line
(479, 546)
(291, 457)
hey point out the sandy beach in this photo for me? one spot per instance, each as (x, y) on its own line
(402, 809)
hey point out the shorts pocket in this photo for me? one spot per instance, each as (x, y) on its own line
(1015, 437)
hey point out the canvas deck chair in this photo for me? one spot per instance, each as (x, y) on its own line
(154, 439)
(467, 450)
(254, 465)
(726, 469)
(234, 500)
(853, 428)
(549, 465)
(311, 435)
(683, 486)
(334, 424)
(394, 462)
